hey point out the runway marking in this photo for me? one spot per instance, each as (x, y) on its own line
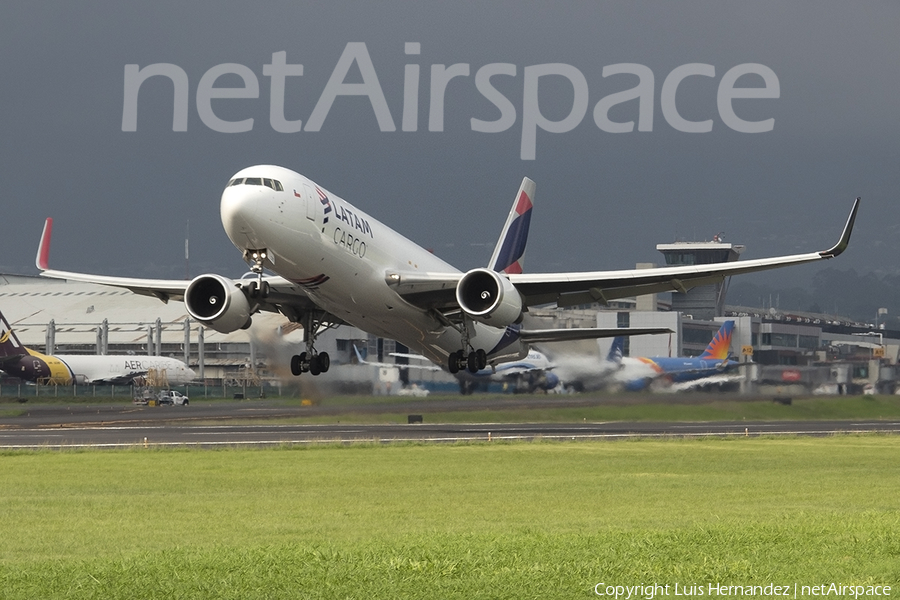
(443, 439)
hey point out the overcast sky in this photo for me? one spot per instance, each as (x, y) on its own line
(121, 200)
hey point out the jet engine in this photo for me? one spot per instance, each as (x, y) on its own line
(489, 297)
(217, 302)
(549, 381)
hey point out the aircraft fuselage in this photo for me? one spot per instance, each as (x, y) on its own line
(340, 257)
(85, 369)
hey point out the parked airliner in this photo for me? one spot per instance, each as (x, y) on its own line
(335, 264)
(65, 369)
(532, 373)
(640, 372)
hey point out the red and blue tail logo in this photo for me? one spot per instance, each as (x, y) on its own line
(510, 250)
(720, 345)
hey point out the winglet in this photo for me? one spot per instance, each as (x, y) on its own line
(510, 247)
(42, 260)
(845, 236)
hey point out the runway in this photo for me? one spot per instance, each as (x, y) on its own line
(242, 423)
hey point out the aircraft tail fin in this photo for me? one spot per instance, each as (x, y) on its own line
(510, 250)
(359, 356)
(721, 344)
(9, 343)
(616, 350)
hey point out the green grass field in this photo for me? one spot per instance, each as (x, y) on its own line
(630, 407)
(654, 407)
(491, 520)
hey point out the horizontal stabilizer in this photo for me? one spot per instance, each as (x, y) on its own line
(363, 361)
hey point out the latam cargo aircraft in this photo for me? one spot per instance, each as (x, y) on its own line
(332, 263)
(65, 369)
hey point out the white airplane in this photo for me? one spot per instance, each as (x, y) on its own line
(336, 264)
(529, 374)
(65, 369)
(533, 372)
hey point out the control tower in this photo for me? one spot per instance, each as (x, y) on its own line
(706, 301)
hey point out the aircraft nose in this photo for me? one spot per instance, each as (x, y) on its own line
(238, 209)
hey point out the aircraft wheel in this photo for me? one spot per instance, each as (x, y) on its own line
(314, 366)
(453, 363)
(296, 365)
(252, 289)
(264, 290)
(472, 362)
(324, 361)
(481, 357)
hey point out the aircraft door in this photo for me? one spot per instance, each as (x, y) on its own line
(314, 207)
(37, 369)
(310, 205)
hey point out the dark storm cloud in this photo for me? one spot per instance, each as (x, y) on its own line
(122, 199)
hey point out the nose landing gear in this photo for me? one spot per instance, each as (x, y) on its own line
(258, 288)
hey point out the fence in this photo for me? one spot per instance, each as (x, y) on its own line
(26, 392)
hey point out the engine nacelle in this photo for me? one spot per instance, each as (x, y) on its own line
(549, 381)
(489, 297)
(217, 302)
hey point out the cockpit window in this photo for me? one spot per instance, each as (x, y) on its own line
(271, 183)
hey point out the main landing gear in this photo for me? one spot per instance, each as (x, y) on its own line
(473, 361)
(313, 363)
(310, 361)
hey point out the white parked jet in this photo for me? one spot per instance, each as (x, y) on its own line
(336, 264)
(65, 369)
(531, 373)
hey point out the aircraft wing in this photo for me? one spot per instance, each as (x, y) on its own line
(164, 289)
(284, 296)
(536, 336)
(711, 380)
(437, 290)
